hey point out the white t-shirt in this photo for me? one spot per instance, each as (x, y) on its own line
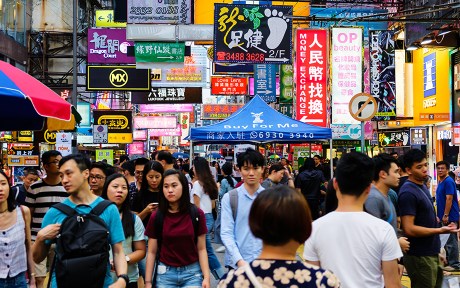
(353, 245)
(205, 200)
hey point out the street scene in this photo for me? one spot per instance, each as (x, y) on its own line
(216, 143)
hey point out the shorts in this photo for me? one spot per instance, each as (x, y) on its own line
(43, 267)
(185, 276)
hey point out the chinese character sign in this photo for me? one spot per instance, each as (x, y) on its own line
(160, 12)
(311, 71)
(286, 83)
(347, 71)
(108, 46)
(265, 81)
(382, 73)
(229, 86)
(252, 34)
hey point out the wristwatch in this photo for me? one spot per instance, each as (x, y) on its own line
(127, 258)
(125, 277)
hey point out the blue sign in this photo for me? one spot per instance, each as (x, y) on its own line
(348, 13)
(265, 81)
(429, 75)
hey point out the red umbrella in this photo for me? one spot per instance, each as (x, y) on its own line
(25, 101)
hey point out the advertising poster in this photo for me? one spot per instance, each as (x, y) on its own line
(382, 73)
(311, 80)
(252, 34)
(108, 46)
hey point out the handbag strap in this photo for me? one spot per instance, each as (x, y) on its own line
(251, 276)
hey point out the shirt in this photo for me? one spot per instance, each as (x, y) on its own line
(238, 239)
(13, 256)
(447, 187)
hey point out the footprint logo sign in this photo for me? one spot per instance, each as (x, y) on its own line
(252, 34)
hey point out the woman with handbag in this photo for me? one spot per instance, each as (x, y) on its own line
(179, 238)
(116, 190)
(16, 249)
(282, 231)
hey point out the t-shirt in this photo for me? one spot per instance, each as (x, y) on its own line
(267, 183)
(381, 207)
(414, 200)
(281, 273)
(142, 199)
(20, 192)
(352, 245)
(178, 247)
(205, 200)
(41, 197)
(447, 187)
(111, 217)
(133, 271)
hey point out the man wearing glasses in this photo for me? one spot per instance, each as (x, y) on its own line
(97, 175)
(41, 196)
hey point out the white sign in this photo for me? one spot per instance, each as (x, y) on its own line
(347, 71)
(240, 149)
(65, 149)
(363, 107)
(63, 138)
(100, 134)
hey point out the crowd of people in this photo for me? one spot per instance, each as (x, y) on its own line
(365, 225)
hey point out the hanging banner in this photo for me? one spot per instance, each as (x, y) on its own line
(229, 86)
(160, 12)
(286, 83)
(382, 73)
(252, 34)
(311, 80)
(265, 82)
(347, 71)
(108, 46)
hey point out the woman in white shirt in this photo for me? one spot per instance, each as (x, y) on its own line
(205, 193)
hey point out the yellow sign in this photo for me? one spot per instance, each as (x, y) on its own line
(113, 121)
(120, 138)
(50, 137)
(22, 160)
(401, 123)
(118, 77)
(25, 136)
(104, 18)
(431, 86)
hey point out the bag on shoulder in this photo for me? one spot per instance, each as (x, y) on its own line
(82, 248)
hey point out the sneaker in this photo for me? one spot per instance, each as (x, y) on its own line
(221, 249)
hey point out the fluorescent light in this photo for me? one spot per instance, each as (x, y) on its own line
(427, 40)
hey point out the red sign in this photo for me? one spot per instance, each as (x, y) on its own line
(216, 111)
(311, 80)
(229, 86)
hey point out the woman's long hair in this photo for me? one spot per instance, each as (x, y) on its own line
(127, 216)
(184, 202)
(203, 174)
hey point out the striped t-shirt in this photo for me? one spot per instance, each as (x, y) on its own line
(41, 197)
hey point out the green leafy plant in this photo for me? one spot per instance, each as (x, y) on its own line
(253, 15)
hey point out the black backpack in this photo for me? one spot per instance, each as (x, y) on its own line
(82, 248)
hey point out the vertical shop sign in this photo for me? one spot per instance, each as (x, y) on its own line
(429, 75)
(311, 71)
(265, 81)
(382, 73)
(286, 83)
(347, 71)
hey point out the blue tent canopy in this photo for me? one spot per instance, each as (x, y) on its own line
(258, 122)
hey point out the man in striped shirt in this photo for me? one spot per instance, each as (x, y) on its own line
(42, 195)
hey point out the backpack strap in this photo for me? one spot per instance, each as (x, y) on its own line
(65, 209)
(195, 215)
(233, 194)
(101, 207)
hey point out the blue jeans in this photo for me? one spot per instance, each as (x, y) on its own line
(452, 250)
(214, 264)
(185, 276)
(18, 281)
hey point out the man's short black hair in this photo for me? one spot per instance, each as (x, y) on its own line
(354, 173)
(46, 156)
(250, 157)
(140, 161)
(383, 163)
(82, 161)
(275, 167)
(104, 167)
(443, 162)
(128, 166)
(413, 156)
(124, 158)
(30, 171)
(166, 156)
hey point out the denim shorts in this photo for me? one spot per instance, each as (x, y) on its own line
(18, 281)
(185, 276)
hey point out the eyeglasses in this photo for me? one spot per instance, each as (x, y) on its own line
(98, 177)
(56, 162)
(138, 173)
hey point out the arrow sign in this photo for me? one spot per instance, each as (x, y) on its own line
(159, 51)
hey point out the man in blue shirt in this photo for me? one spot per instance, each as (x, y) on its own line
(241, 245)
(74, 171)
(447, 203)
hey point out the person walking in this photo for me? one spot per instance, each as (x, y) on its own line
(116, 190)
(30, 177)
(205, 193)
(16, 250)
(276, 172)
(181, 245)
(281, 233)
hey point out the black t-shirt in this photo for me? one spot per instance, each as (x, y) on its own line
(414, 200)
(309, 182)
(142, 199)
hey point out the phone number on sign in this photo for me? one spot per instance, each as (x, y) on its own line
(274, 135)
(258, 57)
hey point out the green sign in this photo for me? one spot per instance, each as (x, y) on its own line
(159, 51)
(286, 84)
(104, 154)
